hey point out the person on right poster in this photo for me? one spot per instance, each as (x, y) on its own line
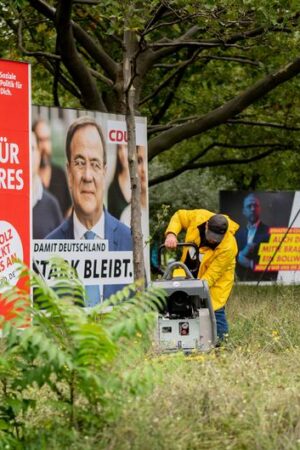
(248, 240)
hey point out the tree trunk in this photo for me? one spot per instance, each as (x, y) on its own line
(129, 93)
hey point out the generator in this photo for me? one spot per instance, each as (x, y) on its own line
(187, 320)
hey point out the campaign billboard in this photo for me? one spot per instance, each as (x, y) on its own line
(269, 235)
(82, 197)
(15, 215)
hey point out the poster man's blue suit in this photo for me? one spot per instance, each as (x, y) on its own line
(118, 236)
(261, 235)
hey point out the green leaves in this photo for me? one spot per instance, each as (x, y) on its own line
(76, 356)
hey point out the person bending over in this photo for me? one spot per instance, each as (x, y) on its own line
(214, 236)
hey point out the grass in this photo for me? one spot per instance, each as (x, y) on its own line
(244, 395)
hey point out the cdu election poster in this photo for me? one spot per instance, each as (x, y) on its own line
(269, 235)
(82, 197)
(15, 211)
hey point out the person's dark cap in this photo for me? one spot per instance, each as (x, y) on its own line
(217, 226)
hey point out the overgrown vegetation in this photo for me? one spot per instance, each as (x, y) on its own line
(80, 380)
(244, 395)
(67, 371)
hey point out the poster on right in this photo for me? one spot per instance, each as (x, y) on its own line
(269, 235)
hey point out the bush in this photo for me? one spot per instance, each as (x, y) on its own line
(86, 381)
(63, 373)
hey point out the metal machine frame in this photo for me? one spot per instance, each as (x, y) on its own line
(188, 321)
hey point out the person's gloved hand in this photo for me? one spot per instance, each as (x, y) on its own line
(171, 241)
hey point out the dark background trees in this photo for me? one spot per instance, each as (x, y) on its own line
(217, 80)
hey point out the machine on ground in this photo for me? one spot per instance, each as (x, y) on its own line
(187, 321)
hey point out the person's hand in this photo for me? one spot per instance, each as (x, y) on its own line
(171, 241)
(248, 250)
(247, 255)
(247, 263)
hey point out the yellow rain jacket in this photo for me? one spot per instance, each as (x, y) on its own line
(217, 265)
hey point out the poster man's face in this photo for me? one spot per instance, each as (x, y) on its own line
(36, 156)
(43, 137)
(86, 173)
(123, 155)
(251, 209)
(141, 167)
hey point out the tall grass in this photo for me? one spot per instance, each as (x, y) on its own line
(243, 395)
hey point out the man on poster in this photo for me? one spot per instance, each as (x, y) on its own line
(53, 177)
(86, 169)
(248, 240)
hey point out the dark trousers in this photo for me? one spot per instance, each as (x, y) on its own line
(222, 325)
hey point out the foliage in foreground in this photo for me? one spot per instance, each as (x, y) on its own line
(68, 369)
(244, 395)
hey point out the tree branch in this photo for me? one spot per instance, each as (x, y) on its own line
(172, 46)
(156, 16)
(29, 53)
(262, 124)
(230, 109)
(201, 44)
(45, 59)
(162, 25)
(62, 79)
(191, 165)
(71, 59)
(237, 59)
(152, 129)
(165, 51)
(101, 77)
(56, 77)
(151, 56)
(158, 116)
(96, 51)
(204, 44)
(174, 19)
(181, 67)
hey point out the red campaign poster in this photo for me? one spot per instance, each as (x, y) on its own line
(15, 215)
